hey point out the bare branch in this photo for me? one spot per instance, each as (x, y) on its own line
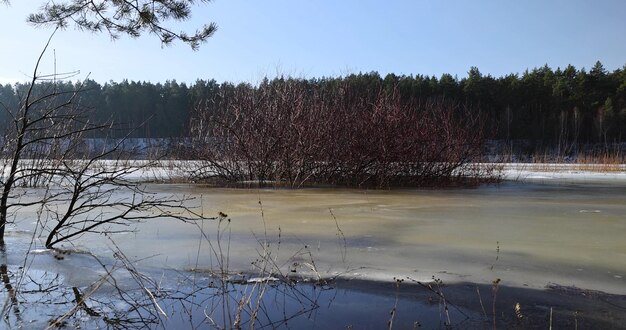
(126, 17)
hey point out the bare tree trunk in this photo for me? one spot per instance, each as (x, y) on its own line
(21, 123)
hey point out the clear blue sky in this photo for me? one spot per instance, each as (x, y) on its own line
(314, 38)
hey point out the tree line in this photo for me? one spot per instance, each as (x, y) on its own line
(135, 109)
(548, 107)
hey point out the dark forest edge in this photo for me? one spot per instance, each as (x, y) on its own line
(560, 108)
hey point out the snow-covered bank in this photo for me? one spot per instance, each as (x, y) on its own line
(183, 171)
(177, 170)
(564, 173)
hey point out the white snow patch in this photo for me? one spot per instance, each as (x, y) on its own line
(262, 279)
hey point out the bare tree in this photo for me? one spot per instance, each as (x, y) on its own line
(81, 189)
(40, 110)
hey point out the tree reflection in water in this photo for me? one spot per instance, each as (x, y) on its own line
(124, 297)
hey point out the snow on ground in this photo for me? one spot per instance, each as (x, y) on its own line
(523, 172)
(575, 173)
(181, 170)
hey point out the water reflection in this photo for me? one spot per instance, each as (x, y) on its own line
(41, 299)
(192, 300)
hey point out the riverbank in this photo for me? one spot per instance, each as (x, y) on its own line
(181, 171)
(572, 173)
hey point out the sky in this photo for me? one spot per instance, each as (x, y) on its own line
(316, 38)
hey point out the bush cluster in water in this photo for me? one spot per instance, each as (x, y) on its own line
(288, 133)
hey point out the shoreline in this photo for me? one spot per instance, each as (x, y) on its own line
(180, 171)
(564, 173)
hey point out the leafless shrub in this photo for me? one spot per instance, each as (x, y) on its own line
(289, 132)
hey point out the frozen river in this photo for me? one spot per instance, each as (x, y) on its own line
(531, 236)
(528, 234)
